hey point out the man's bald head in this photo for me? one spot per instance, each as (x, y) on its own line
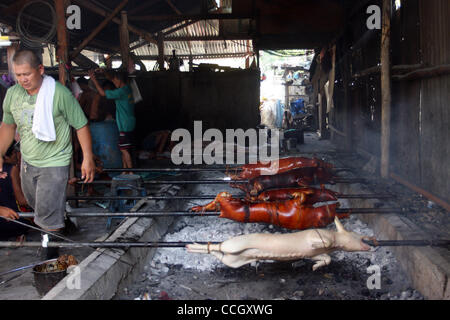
(24, 56)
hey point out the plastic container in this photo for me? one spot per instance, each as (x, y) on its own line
(105, 139)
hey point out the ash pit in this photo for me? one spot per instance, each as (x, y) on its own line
(174, 273)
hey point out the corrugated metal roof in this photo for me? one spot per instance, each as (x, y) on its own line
(204, 28)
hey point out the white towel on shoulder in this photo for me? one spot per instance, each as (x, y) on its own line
(43, 126)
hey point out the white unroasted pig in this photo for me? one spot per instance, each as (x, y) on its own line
(314, 244)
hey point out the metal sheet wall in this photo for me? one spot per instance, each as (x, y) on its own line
(420, 126)
(435, 99)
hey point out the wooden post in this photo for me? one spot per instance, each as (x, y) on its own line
(385, 89)
(62, 53)
(63, 58)
(124, 40)
(348, 123)
(161, 51)
(10, 51)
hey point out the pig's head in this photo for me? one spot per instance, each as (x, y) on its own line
(349, 241)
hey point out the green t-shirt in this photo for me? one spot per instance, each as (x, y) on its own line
(123, 98)
(18, 108)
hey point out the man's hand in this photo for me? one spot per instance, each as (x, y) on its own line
(88, 164)
(88, 170)
(91, 73)
(8, 213)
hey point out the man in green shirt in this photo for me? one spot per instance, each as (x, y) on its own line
(125, 118)
(45, 163)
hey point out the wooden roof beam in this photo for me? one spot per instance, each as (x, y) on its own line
(142, 33)
(182, 17)
(99, 28)
(173, 7)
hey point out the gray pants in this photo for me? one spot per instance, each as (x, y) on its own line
(45, 191)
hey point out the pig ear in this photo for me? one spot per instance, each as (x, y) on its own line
(338, 224)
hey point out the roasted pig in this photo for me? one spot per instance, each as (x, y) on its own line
(290, 214)
(302, 177)
(250, 171)
(313, 244)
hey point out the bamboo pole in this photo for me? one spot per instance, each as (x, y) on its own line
(385, 89)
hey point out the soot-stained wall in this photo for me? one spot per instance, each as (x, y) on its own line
(222, 100)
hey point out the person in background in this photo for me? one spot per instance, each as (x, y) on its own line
(90, 102)
(12, 198)
(125, 118)
(156, 143)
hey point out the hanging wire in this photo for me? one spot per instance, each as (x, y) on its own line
(23, 23)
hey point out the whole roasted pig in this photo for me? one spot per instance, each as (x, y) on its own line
(302, 177)
(250, 171)
(290, 214)
(308, 196)
(313, 244)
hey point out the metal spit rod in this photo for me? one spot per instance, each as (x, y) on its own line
(216, 181)
(187, 169)
(151, 214)
(373, 243)
(211, 197)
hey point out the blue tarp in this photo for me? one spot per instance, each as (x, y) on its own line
(280, 112)
(297, 107)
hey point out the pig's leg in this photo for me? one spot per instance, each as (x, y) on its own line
(233, 260)
(322, 260)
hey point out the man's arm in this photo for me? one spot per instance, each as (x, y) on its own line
(93, 114)
(97, 85)
(88, 165)
(18, 193)
(7, 133)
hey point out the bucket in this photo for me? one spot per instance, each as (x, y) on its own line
(45, 281)
(291, 143)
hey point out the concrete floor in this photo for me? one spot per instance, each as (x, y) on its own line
(21, 286)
